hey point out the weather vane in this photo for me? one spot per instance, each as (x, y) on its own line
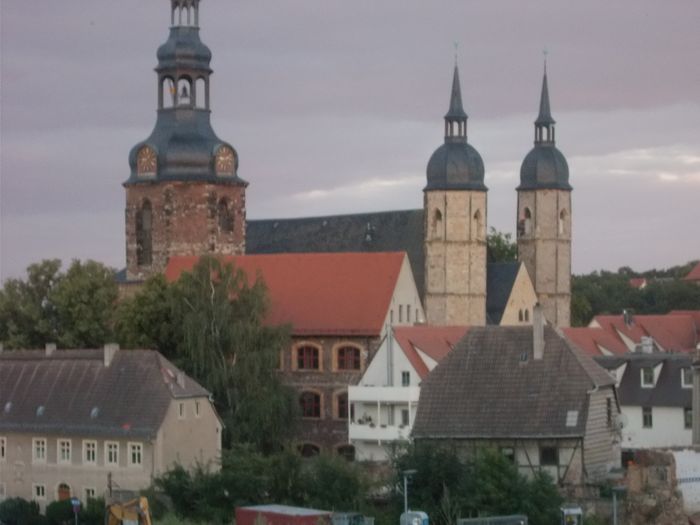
(456, 44)
(545, 53)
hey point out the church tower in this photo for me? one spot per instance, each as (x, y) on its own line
(544, 218)
(184, 196)
(455, 225)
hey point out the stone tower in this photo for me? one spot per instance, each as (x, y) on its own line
(544, 218)
(455, 225)
(184, 196)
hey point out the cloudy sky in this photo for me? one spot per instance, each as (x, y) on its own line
(336, 106)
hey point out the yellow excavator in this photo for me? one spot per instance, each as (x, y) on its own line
(133, 512)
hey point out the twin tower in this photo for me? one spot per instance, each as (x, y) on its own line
(184, 195)
(455, 211)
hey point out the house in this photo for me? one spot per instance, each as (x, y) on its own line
(677, 332)
(72, 420)
(655, 393)
(383, 404)
(339, 306)
(596, 341)
(694, 274)
(529, 392)
(638, 283)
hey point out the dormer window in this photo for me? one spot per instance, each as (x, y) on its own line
(647, 377)
(687, 377)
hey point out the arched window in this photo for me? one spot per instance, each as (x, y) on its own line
(562, 222)
(225, 216)
(144, 247)
(527, 315)
(200, 89)
(478, 234)
(346, 451)
(520, 315)
(184, 92)
(527, 221)
(167, 92)
(307, 358)
(436, 224)
(63, 492)
(348, 358)
(309, 450)
(310, 404)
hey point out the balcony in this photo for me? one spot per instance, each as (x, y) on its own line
(383, 394)
(379, 433)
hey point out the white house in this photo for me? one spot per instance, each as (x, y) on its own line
(385, 400)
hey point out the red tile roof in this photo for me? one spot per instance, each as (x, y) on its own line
(319, 293)
(675, 333)
(434, 341)
(694, 274)
(591, 339)
(638, 282)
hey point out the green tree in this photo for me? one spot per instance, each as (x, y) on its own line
(84, 299)
(333, 483)
(500, 247)
(27, 313)
(18, 511)
(146, 320)
(226, 346)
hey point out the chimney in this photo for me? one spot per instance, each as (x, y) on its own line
(537, 332)
(180, 379)
(50, 348)
(110, 350)
(627, 317)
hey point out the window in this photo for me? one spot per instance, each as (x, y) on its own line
(348, 358)
(90, 493)
(39, 491)
(400, 313)
(3, 448)
(39, 450)
(549, 456)
(405, 378)
(408, 313)
(310, 403)
(181, 414)
(527, 315)
(64, 451)
(111, 453)
(225, 216)
(342, 406)
(309, 450)
(687, 377)
(347, 452)
(307, 358)
(196, 409)
(688, 418)
(90, 452)
(391, 316)
(521, 317)
(144, 218)
(508, 453)
(405, 418)
(63, 492)
(647, 420)
(647, 377)
(135, 454)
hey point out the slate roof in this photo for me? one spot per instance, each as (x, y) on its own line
(319, 293)
(434, 341)
(500, 278)
(388, 231)
(80, 395)
(482, 389)
(668, 391)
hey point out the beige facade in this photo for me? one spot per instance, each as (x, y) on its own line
(522, 299)
(544, 245)
(35, 465)
(455, 257)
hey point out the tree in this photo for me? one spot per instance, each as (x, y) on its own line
(225, 345)
(146, 320)
(500, 247)
(17, 511)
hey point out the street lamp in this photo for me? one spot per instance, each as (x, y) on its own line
(406, 475)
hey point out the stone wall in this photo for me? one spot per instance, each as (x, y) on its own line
(186, 218)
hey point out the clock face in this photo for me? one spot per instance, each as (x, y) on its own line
(225, 161)
(146, 161)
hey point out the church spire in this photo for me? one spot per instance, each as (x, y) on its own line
(456, 118)
(544, 125)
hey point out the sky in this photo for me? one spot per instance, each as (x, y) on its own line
(335, 107)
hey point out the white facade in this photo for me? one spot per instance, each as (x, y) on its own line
(406, 307)
(668, 428)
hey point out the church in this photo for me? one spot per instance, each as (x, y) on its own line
(184, 199)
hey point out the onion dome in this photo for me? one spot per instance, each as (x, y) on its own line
(455, 165)
(544, 167)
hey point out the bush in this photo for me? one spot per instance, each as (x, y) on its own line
(18, 511)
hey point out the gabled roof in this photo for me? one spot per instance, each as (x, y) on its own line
(391, 231)
(319, 293)
(694, 274)
(500, 279)
(80, 395)
(483, 389)
(638, 282)
(591, 339)
(674, 333)
(668, 391)
(434, 341)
